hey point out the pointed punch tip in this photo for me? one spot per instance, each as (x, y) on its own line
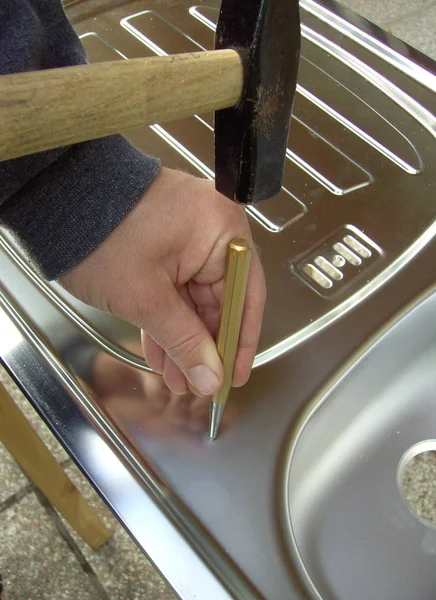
(216, 413)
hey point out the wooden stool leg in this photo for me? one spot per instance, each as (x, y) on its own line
(42, 468)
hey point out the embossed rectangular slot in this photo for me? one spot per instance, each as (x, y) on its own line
(278, 213)
(159, 35)
(349, 256)
(196, 137)
(202, 26)
(363, 130)
(98, 49)
(323, 161)
(208, 15)
(196, 142)
(328, 268)
(357, 246)
(318, 277)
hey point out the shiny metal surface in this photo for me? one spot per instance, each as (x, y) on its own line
(361, 143)
(135, 496)
(360, 164)
(350, 527)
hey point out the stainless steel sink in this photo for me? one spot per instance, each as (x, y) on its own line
(350, 530)
(280, 500)
(358, 178)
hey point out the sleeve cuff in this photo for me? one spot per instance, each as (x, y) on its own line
(61, 215)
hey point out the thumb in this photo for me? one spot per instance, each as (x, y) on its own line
(183, 336)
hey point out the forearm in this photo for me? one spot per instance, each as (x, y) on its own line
(62, 203)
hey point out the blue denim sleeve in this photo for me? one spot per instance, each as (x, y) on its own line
(61, 204)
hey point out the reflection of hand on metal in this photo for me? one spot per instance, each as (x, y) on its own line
(135, 399)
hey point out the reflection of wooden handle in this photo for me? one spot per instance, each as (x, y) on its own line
(235, 286)
(58, 107)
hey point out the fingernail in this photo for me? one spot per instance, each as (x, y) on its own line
(203, 379)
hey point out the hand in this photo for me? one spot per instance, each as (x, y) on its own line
(162, 269)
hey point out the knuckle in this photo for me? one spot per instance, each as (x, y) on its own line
(185, 346)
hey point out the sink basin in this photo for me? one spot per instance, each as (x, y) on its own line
(350, 530)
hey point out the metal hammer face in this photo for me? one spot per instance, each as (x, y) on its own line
(251, 138)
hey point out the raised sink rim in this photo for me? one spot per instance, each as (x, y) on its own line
(290, 542)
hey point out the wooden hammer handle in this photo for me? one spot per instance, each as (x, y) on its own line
(57, 107)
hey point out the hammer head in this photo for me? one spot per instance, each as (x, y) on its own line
(251, 138)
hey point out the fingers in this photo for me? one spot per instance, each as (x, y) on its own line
(208, 299)
(153, 353)
(207, 302)
(159, 361)
(187, 324)
(179, 331)
(162, 364)
(173, 377)
(251, 322)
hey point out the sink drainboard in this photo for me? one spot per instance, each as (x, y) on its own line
(354, 208)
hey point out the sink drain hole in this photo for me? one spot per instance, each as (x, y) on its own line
(417, 481)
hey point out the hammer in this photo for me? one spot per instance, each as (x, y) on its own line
(249, 80)
(251, 75)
